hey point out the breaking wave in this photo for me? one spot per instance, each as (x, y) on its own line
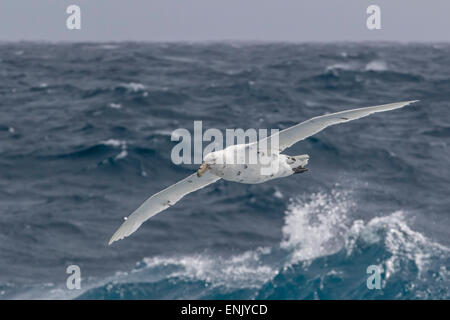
(318, 231)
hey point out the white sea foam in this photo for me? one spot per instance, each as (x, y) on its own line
(122, 144)
(242, 270)
(167, 133)
(115, 105)
(114, 143)
(404, 244)
(316, 227)
(340, 66)
(133, 86)
(376, 65)
(122, 154)
(320, 226)
(278, 194)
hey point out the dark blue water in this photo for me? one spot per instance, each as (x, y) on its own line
(85, 138)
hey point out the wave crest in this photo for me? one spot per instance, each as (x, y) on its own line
(315, 227)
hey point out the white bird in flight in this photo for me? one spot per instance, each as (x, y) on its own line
(215, 167)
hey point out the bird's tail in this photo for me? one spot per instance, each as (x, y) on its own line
(300, 161)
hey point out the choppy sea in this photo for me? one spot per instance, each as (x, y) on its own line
(85, 137)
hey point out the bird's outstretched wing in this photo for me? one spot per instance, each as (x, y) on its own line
(161, 201)
(290, 136)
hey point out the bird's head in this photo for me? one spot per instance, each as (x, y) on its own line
(208, 160)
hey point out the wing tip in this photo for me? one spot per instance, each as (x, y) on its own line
(397, 105)
(405, 103)
(115, 237)
(124, 231)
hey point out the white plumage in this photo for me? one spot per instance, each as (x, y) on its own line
(275, 164)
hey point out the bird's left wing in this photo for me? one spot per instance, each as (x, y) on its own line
(289, 136)
(161, 201)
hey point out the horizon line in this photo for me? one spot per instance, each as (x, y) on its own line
(229, 41)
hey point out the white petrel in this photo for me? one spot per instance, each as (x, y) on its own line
(215, 166)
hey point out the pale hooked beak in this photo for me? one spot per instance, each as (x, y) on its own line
(202, 169)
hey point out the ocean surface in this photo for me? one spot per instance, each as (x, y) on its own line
(85, 138)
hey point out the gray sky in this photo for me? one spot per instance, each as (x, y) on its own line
(198, 20)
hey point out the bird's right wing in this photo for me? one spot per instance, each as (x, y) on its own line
(161, 201)
(290, 136)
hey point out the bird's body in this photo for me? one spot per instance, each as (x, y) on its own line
(234, 164)
(246, 163)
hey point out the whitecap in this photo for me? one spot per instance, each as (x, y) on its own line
(340, 66)
(315, 227)
(115, 105)
(133, 86)
(122, 144)
(114, 142)
(278, 194)
(244, 270)
(121, 155)
(404, 244)
(376, 65)
(174, 135)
